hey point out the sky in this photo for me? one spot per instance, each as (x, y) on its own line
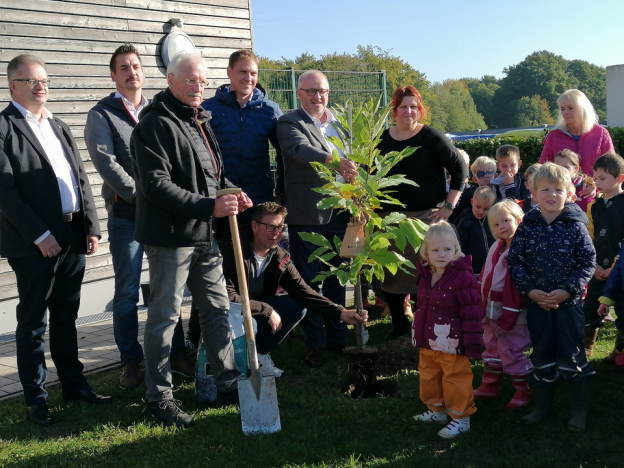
(443, 39)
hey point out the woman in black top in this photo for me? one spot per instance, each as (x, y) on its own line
(430, 201)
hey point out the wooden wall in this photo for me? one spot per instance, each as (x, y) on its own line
(76, 39)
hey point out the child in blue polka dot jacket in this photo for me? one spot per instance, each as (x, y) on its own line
(551, 260)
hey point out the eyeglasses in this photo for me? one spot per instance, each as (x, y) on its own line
(33, 83)
(192, 82)
(312, 91)
(273, 227)
(482, 174)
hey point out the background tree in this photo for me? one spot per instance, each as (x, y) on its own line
(592, 80)
(482, 92)
(542, 74)
(532, 112)
(459, 110)
(514, 100)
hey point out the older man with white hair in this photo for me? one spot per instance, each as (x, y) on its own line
(179, 170)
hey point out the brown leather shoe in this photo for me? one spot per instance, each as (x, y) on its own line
(129, 376)
(314, 357)
(181, 364)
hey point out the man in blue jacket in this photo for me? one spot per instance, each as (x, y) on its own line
(244, 120)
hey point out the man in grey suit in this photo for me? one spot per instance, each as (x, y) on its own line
(303, 137)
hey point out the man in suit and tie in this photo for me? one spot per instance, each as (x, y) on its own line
(48, 222)
(303, 137)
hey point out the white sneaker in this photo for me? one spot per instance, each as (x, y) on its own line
(439, 417)
(455, 427)
(267, 364)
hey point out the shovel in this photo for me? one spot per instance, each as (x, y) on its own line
(257, 393)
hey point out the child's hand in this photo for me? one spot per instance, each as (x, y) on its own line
(558, 296)
(606, 273)
(541, 298)
(508, 178)
(603, 310)
(588, 192)
(599, 272)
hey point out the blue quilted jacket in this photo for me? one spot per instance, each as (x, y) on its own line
(243, 135)
(559, 255)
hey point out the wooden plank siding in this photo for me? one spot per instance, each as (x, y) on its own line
(76, 39)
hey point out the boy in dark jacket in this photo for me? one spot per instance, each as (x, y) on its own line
(551, 259)
(606, 226)
(528, 203)
(483, 171)
(473, 229)
(510, 183)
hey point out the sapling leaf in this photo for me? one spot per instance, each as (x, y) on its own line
(329, 202)
(327, 256)
(320, 277)
(392, 218)
(317, 253)
(337, 243)
(315, 238)
(343, 277)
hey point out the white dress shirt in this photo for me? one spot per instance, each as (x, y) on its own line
(68, 186)
(327, 130)
(133, 112)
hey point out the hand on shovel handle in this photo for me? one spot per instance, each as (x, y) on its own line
(254, 366)
(230, 202)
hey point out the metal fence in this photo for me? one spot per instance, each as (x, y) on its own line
(355, 86)
(358, 87)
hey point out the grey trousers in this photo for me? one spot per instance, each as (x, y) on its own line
(200, 268)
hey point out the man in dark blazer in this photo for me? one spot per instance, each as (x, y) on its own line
(48, 221)
(303, 137)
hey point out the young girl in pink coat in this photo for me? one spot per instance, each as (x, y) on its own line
(447, 328)
(505, 333)
(570, 160)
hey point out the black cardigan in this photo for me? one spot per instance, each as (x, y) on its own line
(425, 167)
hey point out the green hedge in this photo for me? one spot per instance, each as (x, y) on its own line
(530, 147)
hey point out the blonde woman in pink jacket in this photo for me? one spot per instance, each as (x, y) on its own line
(577, 129)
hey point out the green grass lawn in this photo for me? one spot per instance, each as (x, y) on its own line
(320, 427)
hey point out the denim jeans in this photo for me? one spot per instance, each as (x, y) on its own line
(291, 314)
(300, 250)
(127, 263)
(200, 268)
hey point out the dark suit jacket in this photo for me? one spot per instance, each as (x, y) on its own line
(30, 201)
(302, 142)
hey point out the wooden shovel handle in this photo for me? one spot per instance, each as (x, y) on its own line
(229, 191)
(242, 285)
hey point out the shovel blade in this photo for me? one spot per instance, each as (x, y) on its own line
(259, 415)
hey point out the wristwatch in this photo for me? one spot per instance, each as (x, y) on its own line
(448, 206)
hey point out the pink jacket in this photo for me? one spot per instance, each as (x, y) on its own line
(501, 300)
(590, 146)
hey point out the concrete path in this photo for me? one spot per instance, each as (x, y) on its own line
(97, 351)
